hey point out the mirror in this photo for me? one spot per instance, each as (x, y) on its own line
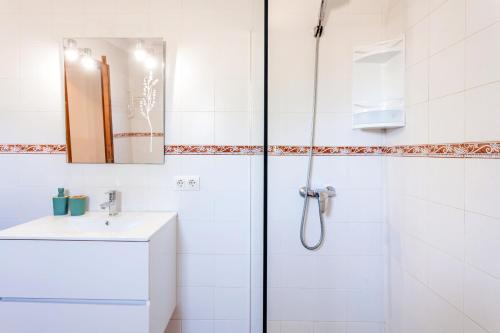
(114, 92)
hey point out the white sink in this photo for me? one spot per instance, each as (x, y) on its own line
(92, 273)
(127, 226)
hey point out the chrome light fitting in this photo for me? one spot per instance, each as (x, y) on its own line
(71, 51)
(87, 61)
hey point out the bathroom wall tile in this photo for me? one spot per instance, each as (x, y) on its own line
(480, 115)
(196, 270)
(228, 128)
(273, 326)
(481, 242)
(365, 328)
(197, 128)
(414, 258)
(482, 183)
(417, 129)
(232, 71)
(417, 42)
(296, 271)
(417, 83)
(447, 179)
(231, 238)
(194, 326)
(231, 326)
(289, 128)
(336, 130)
(11, 93)
(446, 72)
(481, 302)
(232, 270)
(195, 238)
(231, 173)
(442, 317)
(434, 4)
(194, 303)
(290, 171)
(297, 327)
(472, 327)
(353, 239)
(446, 119)
(291, 304)
(38, 127)
(415, 216)
(346, 206)
(446, 229)
(231, 303)
(481, 55)
(231, 206)
(328, 327)
(416, 10)
(365, 306)
(330, 305)
(446, 277)
(481, 13)
(447, 24)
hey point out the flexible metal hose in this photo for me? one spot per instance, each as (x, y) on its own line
(317, 245)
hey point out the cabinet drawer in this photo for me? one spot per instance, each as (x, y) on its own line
(29, 317)
(74, 269)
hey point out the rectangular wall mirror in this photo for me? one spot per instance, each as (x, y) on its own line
(114, 94)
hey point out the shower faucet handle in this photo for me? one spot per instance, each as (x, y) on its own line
(327, 192)
(324, 195)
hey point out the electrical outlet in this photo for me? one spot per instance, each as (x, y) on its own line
(187, 183)
(180, 183)
(193, 183)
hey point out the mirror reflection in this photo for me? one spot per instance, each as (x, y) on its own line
(114, 91)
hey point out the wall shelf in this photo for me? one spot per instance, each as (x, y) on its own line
(378, 85)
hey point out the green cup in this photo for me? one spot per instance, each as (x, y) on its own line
(78, 205)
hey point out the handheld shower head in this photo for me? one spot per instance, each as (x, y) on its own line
(322, 10)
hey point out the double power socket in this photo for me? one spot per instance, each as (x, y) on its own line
(187, 183)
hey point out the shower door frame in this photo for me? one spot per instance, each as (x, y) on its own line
(265, 165)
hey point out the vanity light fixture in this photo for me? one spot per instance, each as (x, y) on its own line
(150, 61)
(139, 51)
(87, 61)
(71, 51)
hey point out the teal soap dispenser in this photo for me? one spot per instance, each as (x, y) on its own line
(60, 203)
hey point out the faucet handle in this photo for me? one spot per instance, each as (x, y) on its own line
(111, 194)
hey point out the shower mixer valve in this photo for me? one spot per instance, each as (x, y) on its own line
(321, 193)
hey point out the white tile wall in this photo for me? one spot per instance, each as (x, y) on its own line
(442, 213)
(340, 287)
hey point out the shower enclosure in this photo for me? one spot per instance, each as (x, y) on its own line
(325, 250)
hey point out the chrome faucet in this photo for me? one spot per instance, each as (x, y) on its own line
(112, 203)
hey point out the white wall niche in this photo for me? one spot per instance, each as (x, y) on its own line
(379, 85)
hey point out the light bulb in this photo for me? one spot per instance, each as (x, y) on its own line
(87, 61)
(71, 51)
(139, 52)
(71, 54)
(150, 62)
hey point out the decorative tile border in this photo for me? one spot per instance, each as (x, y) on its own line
(452, 150)
(326, 151)
(32, 149)
(213, 150)
(136, 135)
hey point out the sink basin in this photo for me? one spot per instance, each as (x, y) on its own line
(127, 227)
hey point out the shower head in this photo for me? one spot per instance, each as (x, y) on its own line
(322, 11)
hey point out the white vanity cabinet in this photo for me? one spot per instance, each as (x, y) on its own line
(89, 280)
